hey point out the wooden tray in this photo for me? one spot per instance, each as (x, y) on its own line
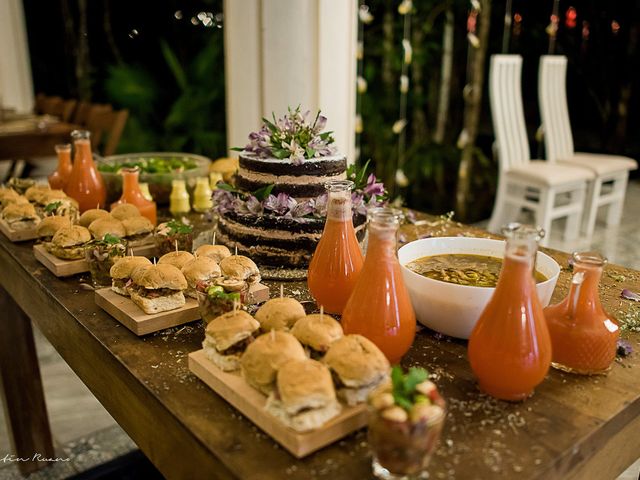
(64, 268)
(17, 235)
(232, 387)
(131, 316)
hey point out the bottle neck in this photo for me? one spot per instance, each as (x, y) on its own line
(586, 295)
(64, 157)
(339, 206)
(130, 182)
(83, 151)
(382, 243)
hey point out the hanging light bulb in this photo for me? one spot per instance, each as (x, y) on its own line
(361, 84)
(408, 51)
(399, 125)
(405, 7)
(404, 84)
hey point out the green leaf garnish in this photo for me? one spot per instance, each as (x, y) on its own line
(404, 386)
(237, 149)
(111, 239)
(264, 192)
(177, 227)
(52, 207)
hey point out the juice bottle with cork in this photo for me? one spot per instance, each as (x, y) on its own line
(379, 307)
(509, 348)
(583, 335)
(337, 261)
(132, 194)
(85, 183)
(59, 178)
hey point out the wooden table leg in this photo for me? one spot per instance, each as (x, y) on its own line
(21, 388)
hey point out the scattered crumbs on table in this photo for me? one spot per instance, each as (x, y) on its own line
(615, 275)
(629, 320)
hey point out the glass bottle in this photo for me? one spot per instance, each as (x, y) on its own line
(337, 261)
(85, 182)
(583, 335)
(202, 200)
(509, 348)
(380, 307)
(59, 178)
(132, 194)
(179, 198)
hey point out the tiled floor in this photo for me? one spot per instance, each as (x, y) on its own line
(88, 435)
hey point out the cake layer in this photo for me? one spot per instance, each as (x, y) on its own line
(265, 255)
(273, 222)
(304, 190)
(252, 235)
(332, 165)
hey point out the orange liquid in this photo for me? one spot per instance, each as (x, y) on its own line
(335, 265)
(59, 178)
(584, 340)
(379, 307)
(509, 348)
(131, 194)
(85, 182)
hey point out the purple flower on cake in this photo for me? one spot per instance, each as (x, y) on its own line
(254, 205)
(223, 201)
(280, 204)
(320, 205)
(373, 187)
(300, 210)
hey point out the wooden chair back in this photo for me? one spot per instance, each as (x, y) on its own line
(53, 106)
(106, 127)
(81, 114)
(554, 110)
(507, 113)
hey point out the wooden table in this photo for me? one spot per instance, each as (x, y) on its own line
(36, 142)
(574, 427)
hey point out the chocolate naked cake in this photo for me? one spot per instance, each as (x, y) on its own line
(275, 211)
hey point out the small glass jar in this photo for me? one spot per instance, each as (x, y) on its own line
(172, 236)
(100, 256)
(214, 300)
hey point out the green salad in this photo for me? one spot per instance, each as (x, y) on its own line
(152, 165)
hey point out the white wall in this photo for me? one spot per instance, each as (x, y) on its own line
(281, 53)
(16, 85)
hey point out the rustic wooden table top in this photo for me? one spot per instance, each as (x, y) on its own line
(573, 427)
(36, 142)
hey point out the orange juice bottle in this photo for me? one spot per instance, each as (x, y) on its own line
(509, 348)
(379, 307)
(85, 183)
(583, 336)
(58, 179)
(132, 194)
(337, 261)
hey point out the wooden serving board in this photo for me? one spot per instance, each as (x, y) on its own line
(131, 316)
(65, 268)
(17, 235)
(232, 387)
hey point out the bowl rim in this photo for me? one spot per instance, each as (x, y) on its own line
(115, 159)
(419, 277)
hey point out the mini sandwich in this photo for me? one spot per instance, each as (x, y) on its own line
(124, 211)
(20, 216)
(8, 193)
(36, 192)
(304, 398)
(50, 196)
(227, 337)
(279, 314)
(12, 200)
(139, 230)
(357, 365)
(200, 269)
(88, 217)
(64, 207)
(49, 226)
(217, 252)
(178, 259)
(69, 242)
(264, 356)
(122, 270)
(238, 271)
(316, 333)
(107, 225)
(157, 288)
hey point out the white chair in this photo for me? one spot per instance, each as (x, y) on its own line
(609, 170)
(551, 191)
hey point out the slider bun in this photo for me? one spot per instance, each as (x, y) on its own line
(8, 193)
(226, 363)
(124, 267)
(241, 268)
(230, 328)
(160, 304)
(317, 331)
(217, 252)
(50, 225)
(178, 259)
(71, 236)
(107, 225)
(279, 314)
(137, 225)
(264, 356)
(125, 210)
(159, 276)
(17, 200)
(305, 384)
(357, 361)
(34, 193)
(200, 269)
(50, 196)
(88, 217)
(18, 211)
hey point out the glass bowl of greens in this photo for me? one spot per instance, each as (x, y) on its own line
(157, 169)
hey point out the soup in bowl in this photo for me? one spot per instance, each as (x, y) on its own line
(450, 280)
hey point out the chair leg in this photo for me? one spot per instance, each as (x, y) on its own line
(614, 210)
(572, 227)
(543, 212)
(497, 215)
(591, 211)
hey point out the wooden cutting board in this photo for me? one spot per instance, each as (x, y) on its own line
(17, 235)
(232, 387)
(131, 316)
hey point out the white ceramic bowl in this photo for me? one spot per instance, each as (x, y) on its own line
(454, 309)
